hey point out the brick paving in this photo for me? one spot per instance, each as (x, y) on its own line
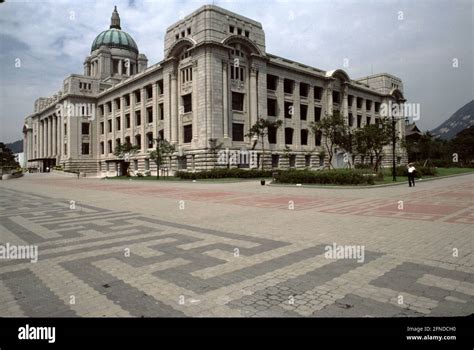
(170, 249)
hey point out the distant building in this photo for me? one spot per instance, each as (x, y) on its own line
(214, 83)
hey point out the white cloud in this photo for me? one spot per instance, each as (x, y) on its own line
(52, 43)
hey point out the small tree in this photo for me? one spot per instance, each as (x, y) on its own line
(260, 131)
(7, 158)
(163, 149)
(372, 138)
(334, 132)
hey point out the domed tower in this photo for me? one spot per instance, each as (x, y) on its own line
(114, 54)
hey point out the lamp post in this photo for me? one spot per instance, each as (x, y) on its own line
(394, 143)
(158, 156)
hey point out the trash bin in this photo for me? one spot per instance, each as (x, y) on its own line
(262, 182)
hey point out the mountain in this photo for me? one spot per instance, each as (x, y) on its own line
(460, 120)
(15, 147)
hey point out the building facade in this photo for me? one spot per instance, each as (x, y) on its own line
(215, 81)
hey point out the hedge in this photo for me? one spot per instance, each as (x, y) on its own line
(402, 170)
(336, 177)
(224, 173)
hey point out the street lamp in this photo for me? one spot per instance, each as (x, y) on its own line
(394, 143)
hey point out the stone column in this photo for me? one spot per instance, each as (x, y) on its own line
(329, 103)
(281, 114)
(54, 135)
(345, 105)
(195, 101)
(253, 95)
(174, 107)
(143, 120)
(225, 97)
(122, 120)
(120, 67)
(155, 110)
(296, 117)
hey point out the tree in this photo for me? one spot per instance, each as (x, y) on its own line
(7, 158)
(463, 146)
(163, 149)
(372, 138)
(260, 130)
(335, 133)
(122, 150)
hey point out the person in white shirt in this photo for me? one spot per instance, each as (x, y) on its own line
(411, 174)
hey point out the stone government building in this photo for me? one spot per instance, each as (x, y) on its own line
(215, 81)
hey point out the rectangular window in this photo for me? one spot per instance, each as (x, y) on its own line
(138, 118)
(304, 137)
(117, 123)
(275, 160)
(149, 91)
(292, 160)
(187, 103)
(109, 146)
(317, 114)
(161, 111)
(237, 101)
(149, 137)
(288, 136)
(359, 121)
(359, 102)
(304, 88)
(272, 135)
(377, 107)
(127, 121)
(188, 133)
(288, 86)
(318, 92)
(137, 96)
(138, 140)
(102, 148)
(85, 128)
(272, 107)
(85, 148)
(288, 109)
(149, 113)
(303, 112)
(336, 97)
(237, 132)
(368, 105)
(317, 138)
(160, 87)
(368, 119)
(272, 82)
(351, 120)
(102, 128)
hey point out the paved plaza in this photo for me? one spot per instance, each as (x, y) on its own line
(178, 249)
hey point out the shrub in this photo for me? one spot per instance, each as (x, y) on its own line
(224, 173)
(336, 176)
(401, 170)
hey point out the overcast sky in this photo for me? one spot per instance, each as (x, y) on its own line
(416, 40)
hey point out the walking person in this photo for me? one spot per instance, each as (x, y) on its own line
(411, 174)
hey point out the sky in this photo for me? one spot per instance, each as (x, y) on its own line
(426, 43)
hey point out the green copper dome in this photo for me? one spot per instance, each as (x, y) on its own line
(115, 37)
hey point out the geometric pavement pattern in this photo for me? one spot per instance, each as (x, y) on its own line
(100, 262)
